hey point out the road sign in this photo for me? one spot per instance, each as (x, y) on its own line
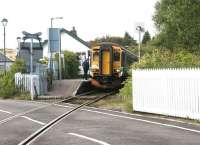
(54, 40)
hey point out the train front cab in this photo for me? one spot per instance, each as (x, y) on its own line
(107, 61)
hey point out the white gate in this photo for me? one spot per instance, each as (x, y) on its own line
(23, 83)
(174, 92)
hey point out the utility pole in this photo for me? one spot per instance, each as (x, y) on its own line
(140, 30)
(4, 22)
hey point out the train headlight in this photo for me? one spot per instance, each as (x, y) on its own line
(117, 70)
(94, 66)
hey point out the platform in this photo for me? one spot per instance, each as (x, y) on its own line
(63, 88)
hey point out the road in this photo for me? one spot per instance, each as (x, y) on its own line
(90, 126)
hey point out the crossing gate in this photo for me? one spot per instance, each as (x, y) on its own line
(23, 83)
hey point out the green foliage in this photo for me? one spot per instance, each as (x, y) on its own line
(126, 94)
(70, 66)
(161, 58)
(18, 66)
(178, 22)
(146, 37)
(7, 83)
(127, 40)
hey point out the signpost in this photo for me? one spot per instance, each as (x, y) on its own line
(55, 46)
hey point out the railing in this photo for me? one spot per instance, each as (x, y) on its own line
(23, 83)
(174, 92)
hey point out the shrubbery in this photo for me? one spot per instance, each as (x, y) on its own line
(160, 58)
(7, 82)
(70, 66)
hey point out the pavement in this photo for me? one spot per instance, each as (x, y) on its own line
(91, 126)
(63, 88)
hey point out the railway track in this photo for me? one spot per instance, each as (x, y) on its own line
(85, 98)
(39, 132)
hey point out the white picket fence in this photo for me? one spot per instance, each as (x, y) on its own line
(23, 83)
(173, 92)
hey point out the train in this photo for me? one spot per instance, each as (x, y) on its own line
(107, 65)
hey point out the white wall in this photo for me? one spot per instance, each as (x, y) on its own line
(174, 92)
(70, 44)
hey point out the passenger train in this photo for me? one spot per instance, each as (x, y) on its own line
(107, 65)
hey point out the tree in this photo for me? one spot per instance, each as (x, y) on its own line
(128, 40)
(146, 37)
(178, 23)
(18, 66)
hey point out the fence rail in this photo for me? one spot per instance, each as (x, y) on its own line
(23, 83)
(173, 92)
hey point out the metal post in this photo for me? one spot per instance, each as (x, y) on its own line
(51, 22)
(31, 70)
(4, 34)
(139, 46)
(60, 65)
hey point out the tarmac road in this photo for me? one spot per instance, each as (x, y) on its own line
(91, 126)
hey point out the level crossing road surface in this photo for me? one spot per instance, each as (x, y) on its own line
(90, 126)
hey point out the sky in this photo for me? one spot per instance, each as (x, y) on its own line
(92, 18)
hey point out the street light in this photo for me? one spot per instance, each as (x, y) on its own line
(4, 23)
(139, 29)
(19, 40)
(53, 19)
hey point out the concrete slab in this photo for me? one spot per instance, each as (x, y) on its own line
(63, 88)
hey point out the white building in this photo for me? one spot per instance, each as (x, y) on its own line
(70, 44)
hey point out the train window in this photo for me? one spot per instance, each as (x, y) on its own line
(116, 56)
(95, 56)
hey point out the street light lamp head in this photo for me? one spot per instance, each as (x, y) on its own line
(4, 22)
(139, 28)
(18, 38)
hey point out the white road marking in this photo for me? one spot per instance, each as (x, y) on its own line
(36, 121)
(89, 138)
(5, 111)
(140, 115)
(28, 118)
(137, 119)
(146, 121)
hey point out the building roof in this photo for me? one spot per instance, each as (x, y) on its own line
(2, 58)
(10, 53)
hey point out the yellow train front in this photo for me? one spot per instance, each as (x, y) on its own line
(107, 65)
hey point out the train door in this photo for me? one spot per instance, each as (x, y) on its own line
(106, 62)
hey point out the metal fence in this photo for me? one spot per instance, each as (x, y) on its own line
(173, 92)
(23, 83)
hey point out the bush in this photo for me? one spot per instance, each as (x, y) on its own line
(7, 81)
(71, 68)
(126, 94)
(7, 85)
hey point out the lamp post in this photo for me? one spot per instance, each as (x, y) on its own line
(4, 23)
(140, 30)
(51, 61)
(18, 41)
(53, 19)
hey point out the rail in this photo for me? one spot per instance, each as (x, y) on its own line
(39, 132)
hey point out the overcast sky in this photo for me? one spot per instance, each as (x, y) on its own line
(92, 18)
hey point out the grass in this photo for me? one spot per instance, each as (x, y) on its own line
(23, 96)
(114, 103)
